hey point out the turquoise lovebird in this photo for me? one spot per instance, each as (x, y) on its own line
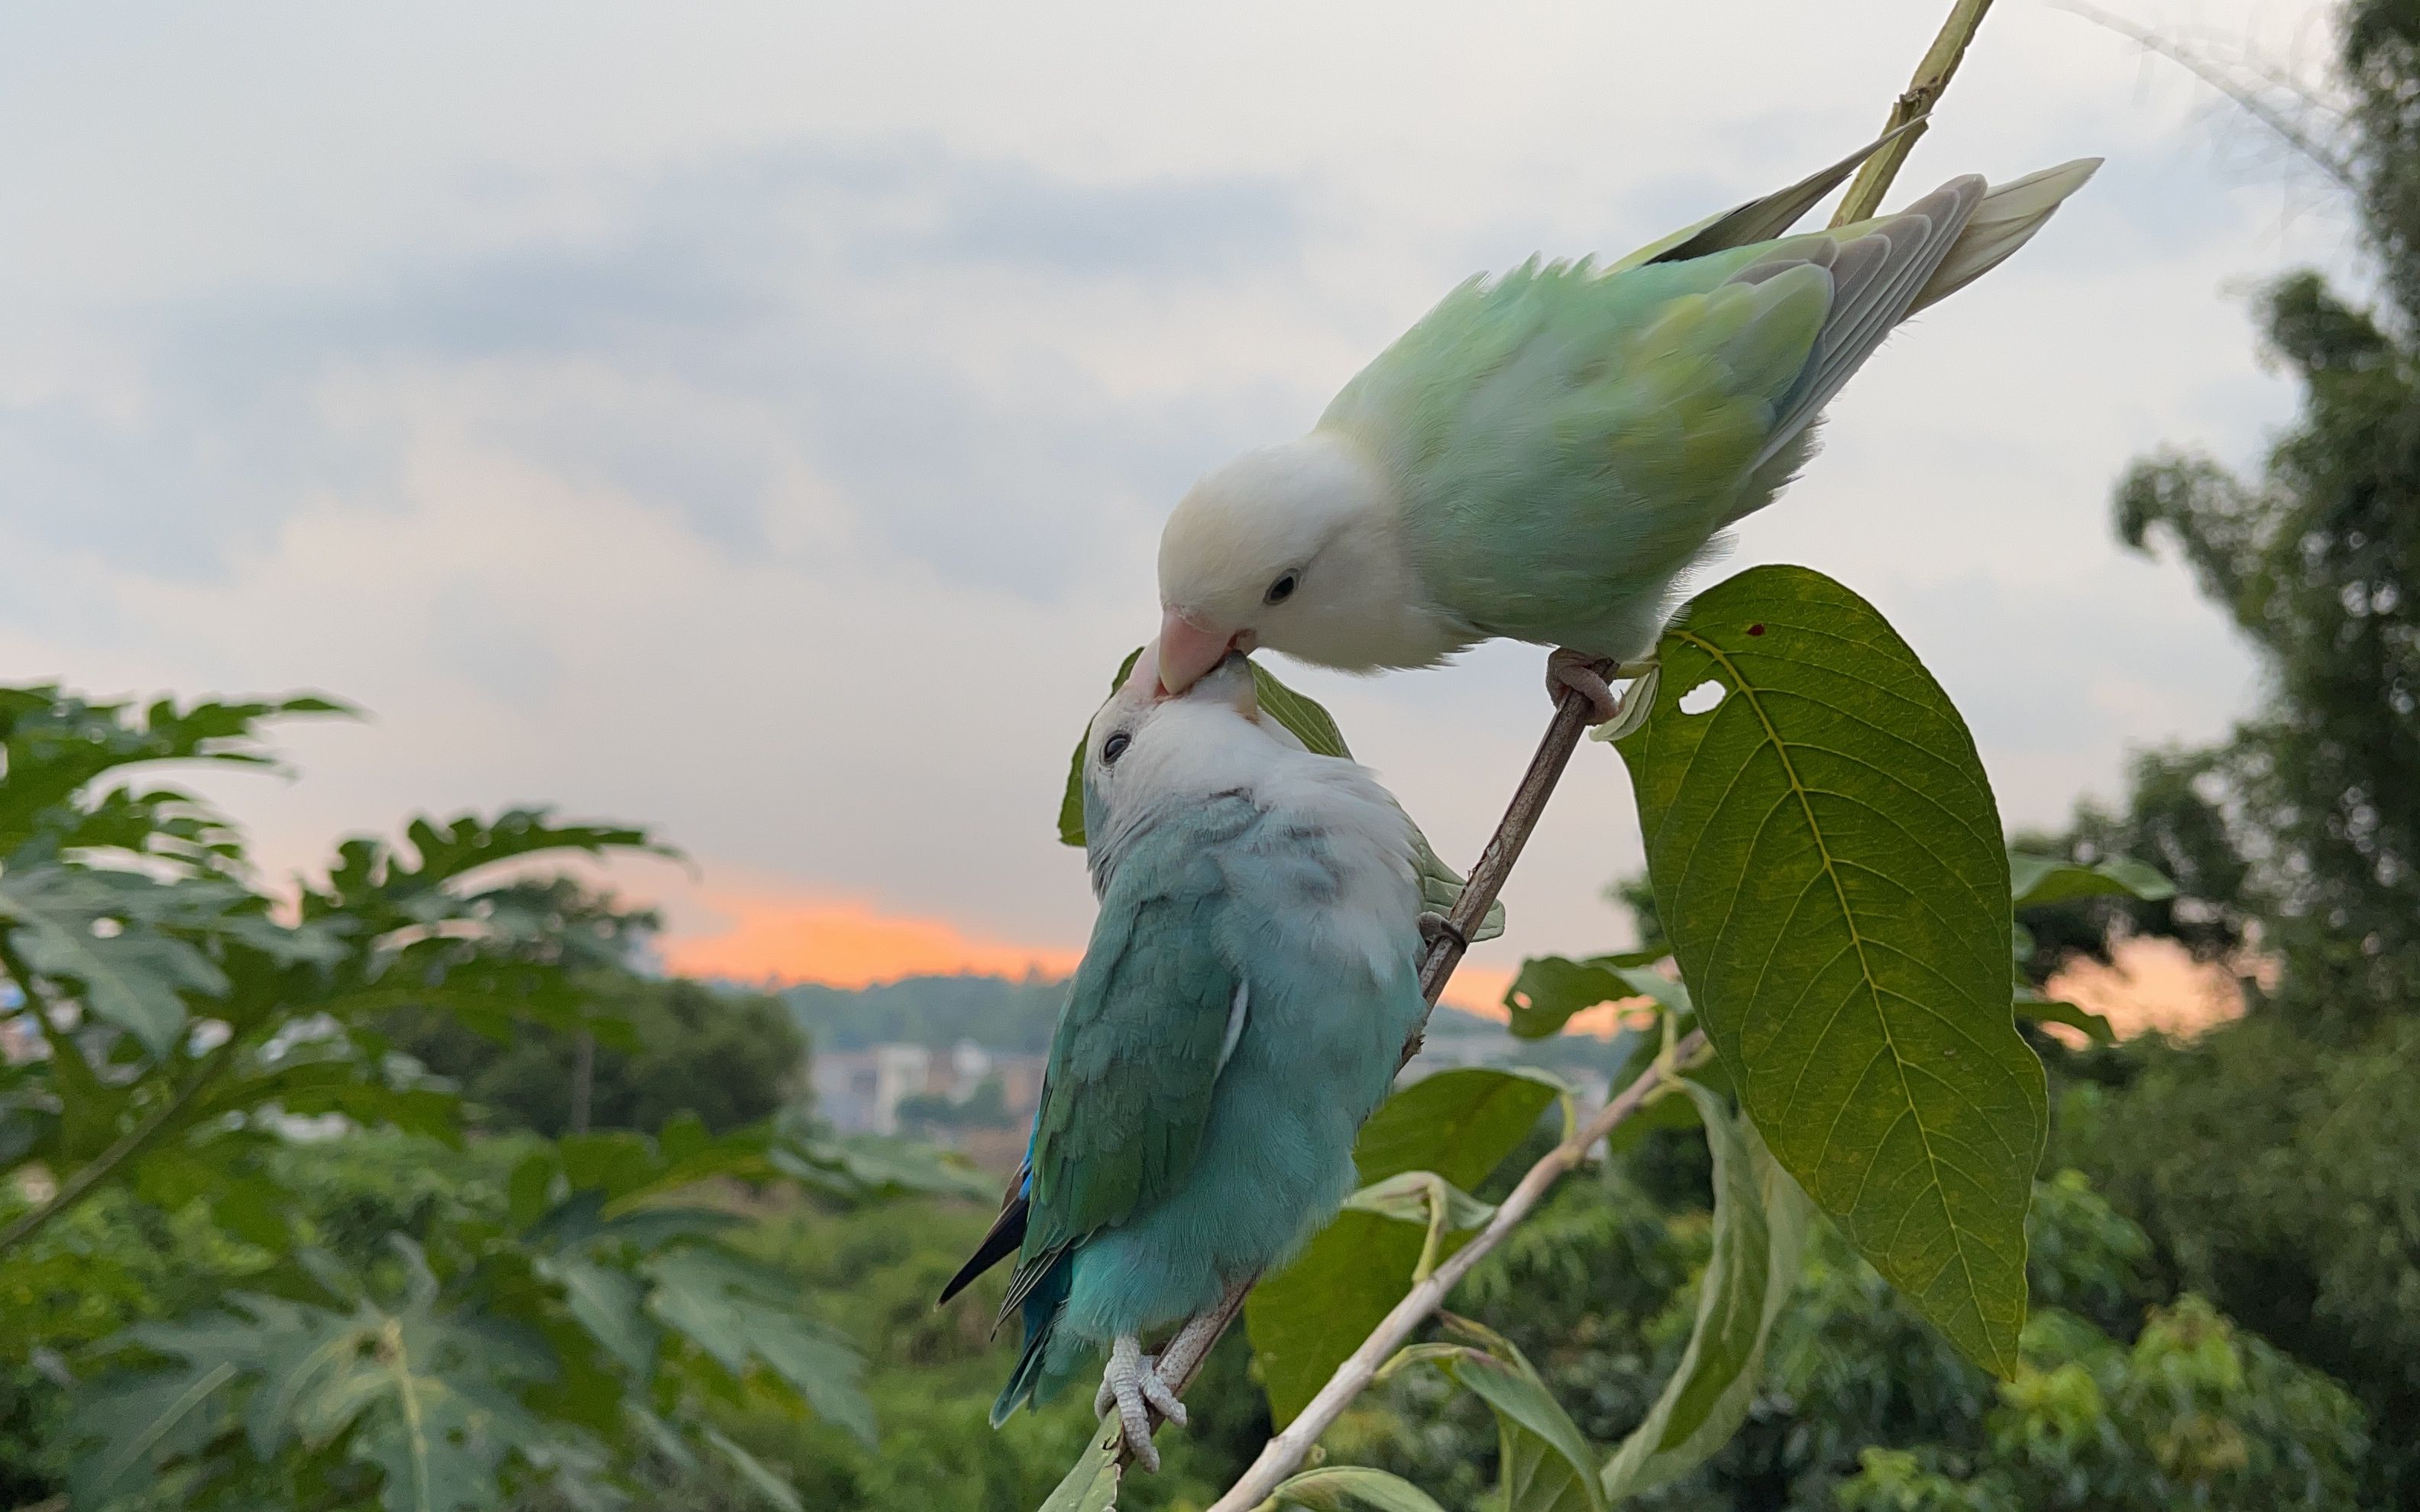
(1239, 1012)
(1544, 454)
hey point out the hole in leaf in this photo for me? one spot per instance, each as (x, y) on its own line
(1702, 698)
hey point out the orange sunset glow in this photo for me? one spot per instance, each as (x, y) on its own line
(849, 943)
(845, 943)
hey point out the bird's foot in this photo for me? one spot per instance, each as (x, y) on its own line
(1587, 675)
(1435, 926)
(1132, 1387)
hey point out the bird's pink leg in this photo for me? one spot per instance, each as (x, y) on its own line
(1587, 674)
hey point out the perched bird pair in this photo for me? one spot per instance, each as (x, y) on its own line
(1539, 458)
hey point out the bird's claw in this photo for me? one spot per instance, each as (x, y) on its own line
(1132, 1387)
(1435, 926)
(1588, 676)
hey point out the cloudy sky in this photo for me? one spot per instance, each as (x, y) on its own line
(756, 420)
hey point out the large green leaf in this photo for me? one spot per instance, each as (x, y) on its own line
(1759, 1232)
(1092, 1485)
(1440, 885)
(1826, 859)
(426, 1394)
(737, 1311)
(100, 933)
(1304, 1319)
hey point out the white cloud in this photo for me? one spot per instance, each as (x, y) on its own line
(756, 422)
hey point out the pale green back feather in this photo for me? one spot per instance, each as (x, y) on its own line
(1565, 441)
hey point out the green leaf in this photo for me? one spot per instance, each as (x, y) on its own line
(2044, 1011)
(426, 1394)
(863, 1166)
(1550, 989)
(1826, 859)
(135, 1422)
(773, 1488)
(1071, 801)
(1759, 1232)
(2038, 880)
(52, 744)
(98, 933)
(1544, 1463)
(1440, 885)
(1091, 1486)
(610, 1304)
(737, 1311)
(1330, 1488)
(1459, 1124)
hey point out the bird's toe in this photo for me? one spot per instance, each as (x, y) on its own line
(1587, 675)
(1131, 1388)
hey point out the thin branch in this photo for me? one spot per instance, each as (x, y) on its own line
(1924, 91)
(1479, 894)
(1279, 1456)
(2289, 130)
(1487, 879)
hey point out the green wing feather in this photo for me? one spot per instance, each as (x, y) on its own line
(1133, 1064)
(1566, 439)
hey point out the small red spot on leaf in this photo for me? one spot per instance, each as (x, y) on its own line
(1755, 629)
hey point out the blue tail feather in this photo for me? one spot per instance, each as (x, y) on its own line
(1041, 1312)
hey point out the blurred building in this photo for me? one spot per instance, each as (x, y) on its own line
(967, 1097)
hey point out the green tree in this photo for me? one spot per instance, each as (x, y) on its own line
(2307, 817)
(173, 1031)
(654, 1050)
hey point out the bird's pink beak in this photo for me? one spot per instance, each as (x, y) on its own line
(1188, 652)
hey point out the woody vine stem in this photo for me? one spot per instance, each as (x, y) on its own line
(1285, 1452)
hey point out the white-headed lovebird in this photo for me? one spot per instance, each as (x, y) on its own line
(1545, 453)
(1240, 1011)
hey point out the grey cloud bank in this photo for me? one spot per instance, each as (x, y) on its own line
(779, 461)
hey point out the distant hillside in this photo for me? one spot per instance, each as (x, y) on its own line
(1016, 1016)
(993, 1011)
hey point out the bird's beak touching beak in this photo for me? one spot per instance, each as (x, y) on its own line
(1188, 652)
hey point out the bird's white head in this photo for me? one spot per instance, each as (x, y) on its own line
(1149, 747)
(1296, 547)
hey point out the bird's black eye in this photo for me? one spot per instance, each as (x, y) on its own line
(1282, 589)
(1114, 747)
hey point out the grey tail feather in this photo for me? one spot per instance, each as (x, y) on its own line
(2006, 219)
(1872, 292)
(1763, 219)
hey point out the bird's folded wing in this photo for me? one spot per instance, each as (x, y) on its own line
(1135, 1060)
